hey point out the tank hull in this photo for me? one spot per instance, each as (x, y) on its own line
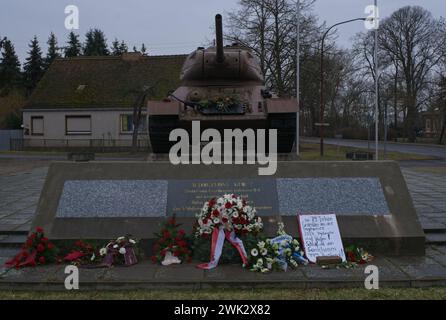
(160, 127)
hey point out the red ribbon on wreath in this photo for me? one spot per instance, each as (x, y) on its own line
(218, 238)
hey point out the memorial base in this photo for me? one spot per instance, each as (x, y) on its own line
(103, 201)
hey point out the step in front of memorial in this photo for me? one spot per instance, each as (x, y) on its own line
(12, 240)
(436, 238)
(13, 236)
(400, 272)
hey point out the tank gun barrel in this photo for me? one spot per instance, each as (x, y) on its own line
(219, 38)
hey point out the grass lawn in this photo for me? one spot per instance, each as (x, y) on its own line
(64, 153)
(311, 152)
(433, 170)
(226, 294)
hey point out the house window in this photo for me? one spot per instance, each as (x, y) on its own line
(78, 125)
(37, 126)
(127, 123)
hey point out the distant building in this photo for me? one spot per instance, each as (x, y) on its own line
(87, 101)
(432, 121)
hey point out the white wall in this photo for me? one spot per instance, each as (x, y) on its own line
(105, 124)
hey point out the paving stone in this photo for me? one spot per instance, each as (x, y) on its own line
(425, 271)
(26, 227)
(179, 273)
(8, 227)
(406, 261)
(4, 272)
(144, 271)
(432, 225)
(441, 221)
(316, 273)
(15, 206)
(86, 275)
(290, 275)
(441, 248)
(8, 252)
(26, 212)
(231, 273)
(440, 258)
(14, 221)
(436, 238)
(13, 240)
(38, 274)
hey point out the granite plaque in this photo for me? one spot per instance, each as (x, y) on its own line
(186, 197)
(340, 196)
(113, 198)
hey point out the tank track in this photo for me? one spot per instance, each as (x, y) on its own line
(285, 123)
(159, 131)
(161, 126)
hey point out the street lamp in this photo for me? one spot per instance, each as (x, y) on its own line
(321, 123)
(298, 77)
(375, 55)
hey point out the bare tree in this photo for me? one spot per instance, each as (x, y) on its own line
(410, 38)
(249, 26)
(268, 27)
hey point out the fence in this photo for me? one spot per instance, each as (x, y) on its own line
(79, 145)
(6, 136)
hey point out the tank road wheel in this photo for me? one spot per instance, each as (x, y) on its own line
(285, 123)
(159, 130)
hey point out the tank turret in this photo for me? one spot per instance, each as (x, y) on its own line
(220, 63)
(223, 88)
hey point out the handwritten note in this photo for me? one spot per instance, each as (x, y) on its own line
(320, 236)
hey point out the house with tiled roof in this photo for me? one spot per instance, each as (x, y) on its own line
(88, 101)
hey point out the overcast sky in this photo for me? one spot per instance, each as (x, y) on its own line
(166, 27)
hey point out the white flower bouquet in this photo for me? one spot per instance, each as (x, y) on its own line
(230, 212)
(277, 253)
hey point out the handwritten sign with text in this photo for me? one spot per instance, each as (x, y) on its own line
(320, 236)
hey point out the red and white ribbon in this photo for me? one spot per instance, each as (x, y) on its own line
(218, 238)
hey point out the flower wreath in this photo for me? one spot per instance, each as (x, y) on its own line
(226, 218)
(230, 212)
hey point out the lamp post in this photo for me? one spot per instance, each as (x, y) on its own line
(321, 123)
(376, 84)
(298, 78)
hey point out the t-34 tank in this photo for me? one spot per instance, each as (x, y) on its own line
(223, 88)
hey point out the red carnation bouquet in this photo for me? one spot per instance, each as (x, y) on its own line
(357, 255)
(37, 250)
(171, 242)
(82, 254)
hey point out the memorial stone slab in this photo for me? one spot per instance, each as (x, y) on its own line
(104, 200)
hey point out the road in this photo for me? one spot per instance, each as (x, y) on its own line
(426, 150)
